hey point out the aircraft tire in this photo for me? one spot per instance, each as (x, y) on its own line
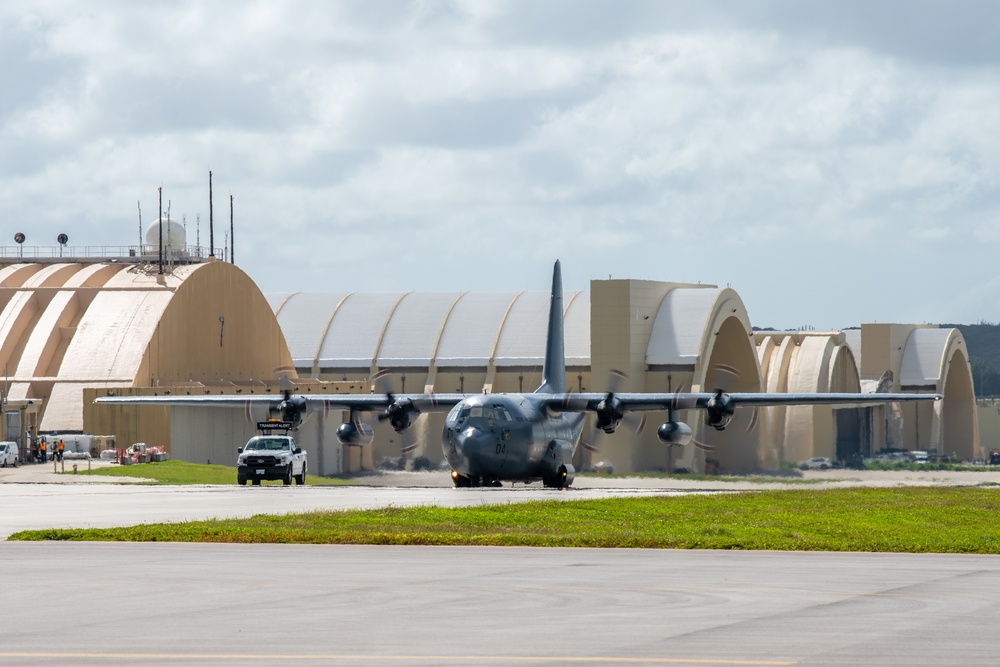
(461, 481)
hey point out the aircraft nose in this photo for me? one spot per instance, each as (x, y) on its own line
(470, 442)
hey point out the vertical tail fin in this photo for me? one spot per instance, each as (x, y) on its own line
(554, 371)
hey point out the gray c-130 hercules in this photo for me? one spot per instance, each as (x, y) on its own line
(490, 438)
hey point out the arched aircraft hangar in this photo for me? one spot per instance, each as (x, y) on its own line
(76, 324)
(664, 336)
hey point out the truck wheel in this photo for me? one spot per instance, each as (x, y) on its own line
(242, 481)
(301, 479)
(256, 482)
(288, 476)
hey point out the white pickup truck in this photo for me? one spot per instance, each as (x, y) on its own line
(8, 454)
(271, 457)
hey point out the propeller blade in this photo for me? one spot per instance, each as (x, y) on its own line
(382, 382)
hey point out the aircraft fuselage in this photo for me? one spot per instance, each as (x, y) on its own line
(496, 437)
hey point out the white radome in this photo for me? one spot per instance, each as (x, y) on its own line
(174, 236)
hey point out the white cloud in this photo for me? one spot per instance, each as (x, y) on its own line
(410, 146)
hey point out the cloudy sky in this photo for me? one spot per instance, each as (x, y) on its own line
(835, 162)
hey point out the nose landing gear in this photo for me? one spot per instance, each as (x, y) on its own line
(462, 481)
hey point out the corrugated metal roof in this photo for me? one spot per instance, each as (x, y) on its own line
(41, 335)
(522, 340)
(414, 329)
(304, 320)
(472, 328)
(354, 334)
(113, 335)
(277, 300)
(923, 356)
(466, 323)
(680, 325)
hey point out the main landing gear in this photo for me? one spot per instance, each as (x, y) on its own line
(559, 480)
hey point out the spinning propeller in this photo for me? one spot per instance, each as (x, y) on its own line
(610, 414)
(401, 414)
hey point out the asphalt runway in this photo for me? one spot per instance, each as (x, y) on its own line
(204, 604)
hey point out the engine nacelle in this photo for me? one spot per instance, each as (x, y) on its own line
(355, 434)
(719, 411)
(674, 433)
(291, 409)
(398, 414)
(610, 413)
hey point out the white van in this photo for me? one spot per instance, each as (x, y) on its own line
(8, 454)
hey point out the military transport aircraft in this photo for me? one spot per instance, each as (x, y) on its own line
(489, 438)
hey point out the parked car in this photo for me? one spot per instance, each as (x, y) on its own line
(919, 456)
(816, 463)
(8, 454)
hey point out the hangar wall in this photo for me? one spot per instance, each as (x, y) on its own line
(810, 362)
(214, 434)
(927, 359)
(198, 326)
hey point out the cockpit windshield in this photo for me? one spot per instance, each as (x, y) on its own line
(491, 413)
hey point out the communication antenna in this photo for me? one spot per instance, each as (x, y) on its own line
(167, 248)
(19, 240)
(63, 240)
(160, 224)
(211, 219)
(197, 233)
(139, 205)
(232, 237)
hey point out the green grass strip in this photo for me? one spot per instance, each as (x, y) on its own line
(182, 472)
(915, 519)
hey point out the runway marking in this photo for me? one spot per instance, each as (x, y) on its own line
(284, 657)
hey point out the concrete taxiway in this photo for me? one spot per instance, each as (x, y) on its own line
(35, 506)
(204, 604)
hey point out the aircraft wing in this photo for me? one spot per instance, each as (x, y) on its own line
(645, 402)
(313, 402)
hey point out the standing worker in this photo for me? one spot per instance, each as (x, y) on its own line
(42, 454)
(60, 448)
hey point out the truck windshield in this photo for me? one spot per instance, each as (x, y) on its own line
(268, 443)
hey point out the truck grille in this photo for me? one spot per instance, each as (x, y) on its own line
(262, 461)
